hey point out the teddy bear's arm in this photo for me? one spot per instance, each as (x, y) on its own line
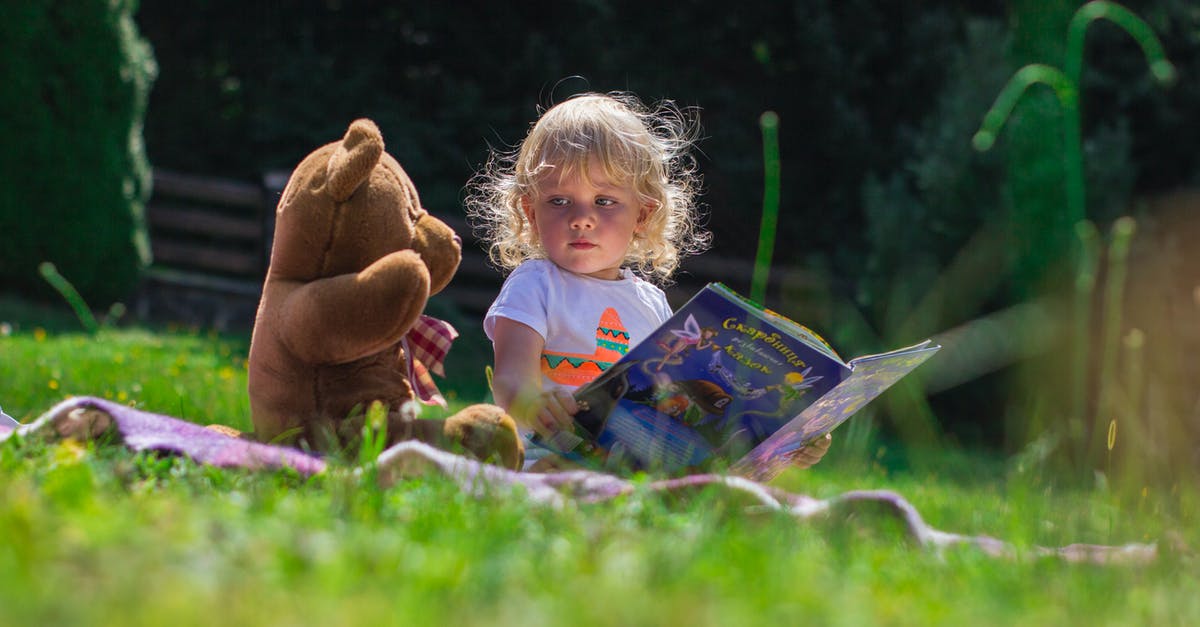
(343, 318)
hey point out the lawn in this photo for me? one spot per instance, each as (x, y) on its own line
(95, 534)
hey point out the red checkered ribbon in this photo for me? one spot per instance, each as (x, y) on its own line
(425, 348)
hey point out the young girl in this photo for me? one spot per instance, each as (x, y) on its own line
(598, 201)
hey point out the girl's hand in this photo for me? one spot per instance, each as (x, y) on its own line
(556, 413)
(811, 454)
(553, 463)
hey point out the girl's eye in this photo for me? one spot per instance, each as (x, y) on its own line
(605, 202)
(558, 202)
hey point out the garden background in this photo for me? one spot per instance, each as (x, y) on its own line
(892, 226)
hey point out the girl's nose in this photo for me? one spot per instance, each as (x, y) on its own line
(583, 219)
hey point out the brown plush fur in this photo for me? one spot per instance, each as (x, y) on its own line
(355, 259)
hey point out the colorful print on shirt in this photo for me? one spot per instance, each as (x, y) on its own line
(576, 369)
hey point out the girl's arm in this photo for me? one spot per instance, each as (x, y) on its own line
(517, 381)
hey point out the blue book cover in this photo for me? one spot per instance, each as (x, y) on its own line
(724, 379)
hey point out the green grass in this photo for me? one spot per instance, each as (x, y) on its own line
(99, 535)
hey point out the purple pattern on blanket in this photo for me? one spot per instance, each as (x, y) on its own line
(141, 430)
(147, 431)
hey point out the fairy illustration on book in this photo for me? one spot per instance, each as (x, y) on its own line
(690, 337)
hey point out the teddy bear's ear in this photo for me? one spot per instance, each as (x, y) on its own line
(353, 161)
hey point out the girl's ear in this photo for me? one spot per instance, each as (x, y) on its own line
(644, 215)
(527, 208)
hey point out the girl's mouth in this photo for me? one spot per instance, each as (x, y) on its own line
(582, 245)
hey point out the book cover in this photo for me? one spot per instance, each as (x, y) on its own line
(724, 379)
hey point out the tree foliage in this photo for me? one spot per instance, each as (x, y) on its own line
(74, 177)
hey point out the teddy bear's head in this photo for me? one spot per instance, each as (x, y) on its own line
(350, 203)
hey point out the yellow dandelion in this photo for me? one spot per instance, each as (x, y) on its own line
(39, 334)
(69, 452)
(226, 373)
(122, 396)
(53, 384)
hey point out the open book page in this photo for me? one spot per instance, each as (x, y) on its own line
(718, 377)
(869, 377)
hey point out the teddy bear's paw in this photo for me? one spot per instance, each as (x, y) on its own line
(807, 456)
(487, 433)
(229, 431)
(82, 423)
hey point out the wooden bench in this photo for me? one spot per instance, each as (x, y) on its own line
(211, 241)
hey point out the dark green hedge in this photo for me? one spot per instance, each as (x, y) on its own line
(73, 174)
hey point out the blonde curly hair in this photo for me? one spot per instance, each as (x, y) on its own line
(632, 143)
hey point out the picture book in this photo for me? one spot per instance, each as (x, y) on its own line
(727, 380)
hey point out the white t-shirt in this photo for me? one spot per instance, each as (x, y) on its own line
(587, 323)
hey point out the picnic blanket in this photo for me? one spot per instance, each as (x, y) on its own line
(88, 417)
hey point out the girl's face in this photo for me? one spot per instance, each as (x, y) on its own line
(585, 223)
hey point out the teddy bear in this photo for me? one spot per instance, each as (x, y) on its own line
(341, 326)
